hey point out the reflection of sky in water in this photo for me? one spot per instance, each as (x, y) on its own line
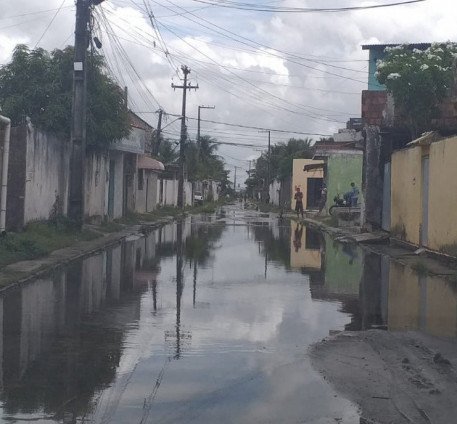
(243, 347)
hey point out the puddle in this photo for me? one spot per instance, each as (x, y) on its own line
(213, 329)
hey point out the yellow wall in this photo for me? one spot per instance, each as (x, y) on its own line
(442, 229)
(300, 177)
(406, 216)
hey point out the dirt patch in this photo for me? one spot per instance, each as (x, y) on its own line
(395, 378)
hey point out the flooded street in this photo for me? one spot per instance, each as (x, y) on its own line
(215, 329)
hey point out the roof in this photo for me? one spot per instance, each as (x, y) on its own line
(425, 139)
(146, 162)
(383, 46)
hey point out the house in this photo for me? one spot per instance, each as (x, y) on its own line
(39, 173)
(149, 170)
(342, 164)
(385, 131)
(423, 193)
(308, 175)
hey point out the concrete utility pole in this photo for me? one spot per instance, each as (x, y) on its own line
(184, 87)
(234, 181)
(199, 109)
(158, 132)
(267, 188)
(78, 111)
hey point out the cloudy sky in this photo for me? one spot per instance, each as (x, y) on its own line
(300, 72)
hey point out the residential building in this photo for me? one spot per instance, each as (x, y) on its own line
(308, 175)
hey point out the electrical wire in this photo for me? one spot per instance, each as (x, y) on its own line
(50, 23)
(265, 8)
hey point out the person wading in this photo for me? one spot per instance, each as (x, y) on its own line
(298, 201)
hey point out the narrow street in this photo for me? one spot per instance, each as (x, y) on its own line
(215, 331)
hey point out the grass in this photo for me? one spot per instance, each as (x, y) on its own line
(421, 268)
(39, 239)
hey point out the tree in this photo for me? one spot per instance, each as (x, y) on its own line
(418, 80)
(38, 84)
(168, 151)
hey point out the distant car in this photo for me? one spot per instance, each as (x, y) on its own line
(198, 198)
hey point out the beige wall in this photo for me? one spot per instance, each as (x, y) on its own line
(300, 177)
(406, 216)
(443, 194)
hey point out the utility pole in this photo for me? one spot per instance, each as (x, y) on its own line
(267, 188)
(234, 182)
(199, 109)
(184, 87)
(158, 132)
(78, 111)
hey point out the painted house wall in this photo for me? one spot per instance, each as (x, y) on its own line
(46, 183)
(375, 55)
(442, 230)
(146, 199)
(300, 178)
(96, 185)
(342, 169)
(118, 158)
(406, 196)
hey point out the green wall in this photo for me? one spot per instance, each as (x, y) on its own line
(342, 169)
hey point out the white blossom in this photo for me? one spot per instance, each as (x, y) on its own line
(424, 67)
(393, 76)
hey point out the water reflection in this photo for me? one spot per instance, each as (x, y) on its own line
(205, 320)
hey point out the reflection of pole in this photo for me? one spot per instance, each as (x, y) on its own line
(195, 282)
(179, 288)
(154, 295)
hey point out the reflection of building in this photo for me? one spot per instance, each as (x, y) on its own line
(419, 302)
(305, 247)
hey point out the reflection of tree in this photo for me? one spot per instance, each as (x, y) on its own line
(276, 248)
(200, 245)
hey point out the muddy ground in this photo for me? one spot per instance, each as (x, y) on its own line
(396, 378)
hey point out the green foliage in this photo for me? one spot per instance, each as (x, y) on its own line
(419, 81)
(38, 84)
(282, 156)
(168, 151)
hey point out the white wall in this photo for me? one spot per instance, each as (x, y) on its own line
(96, 185)
(46, 185)
(274, 191)
(118, 158)
(146, 199)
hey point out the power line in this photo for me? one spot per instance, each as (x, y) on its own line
(50, 23)
(275, 9)
(247, 126)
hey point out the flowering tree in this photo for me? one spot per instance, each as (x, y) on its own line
(419, 80)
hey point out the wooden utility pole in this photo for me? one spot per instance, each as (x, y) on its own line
(198, 127)
(186, 86)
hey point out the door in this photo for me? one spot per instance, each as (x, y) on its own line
(313, 192)
(425, 184)
(112, 168)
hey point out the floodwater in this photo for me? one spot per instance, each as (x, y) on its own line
(204, 321)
